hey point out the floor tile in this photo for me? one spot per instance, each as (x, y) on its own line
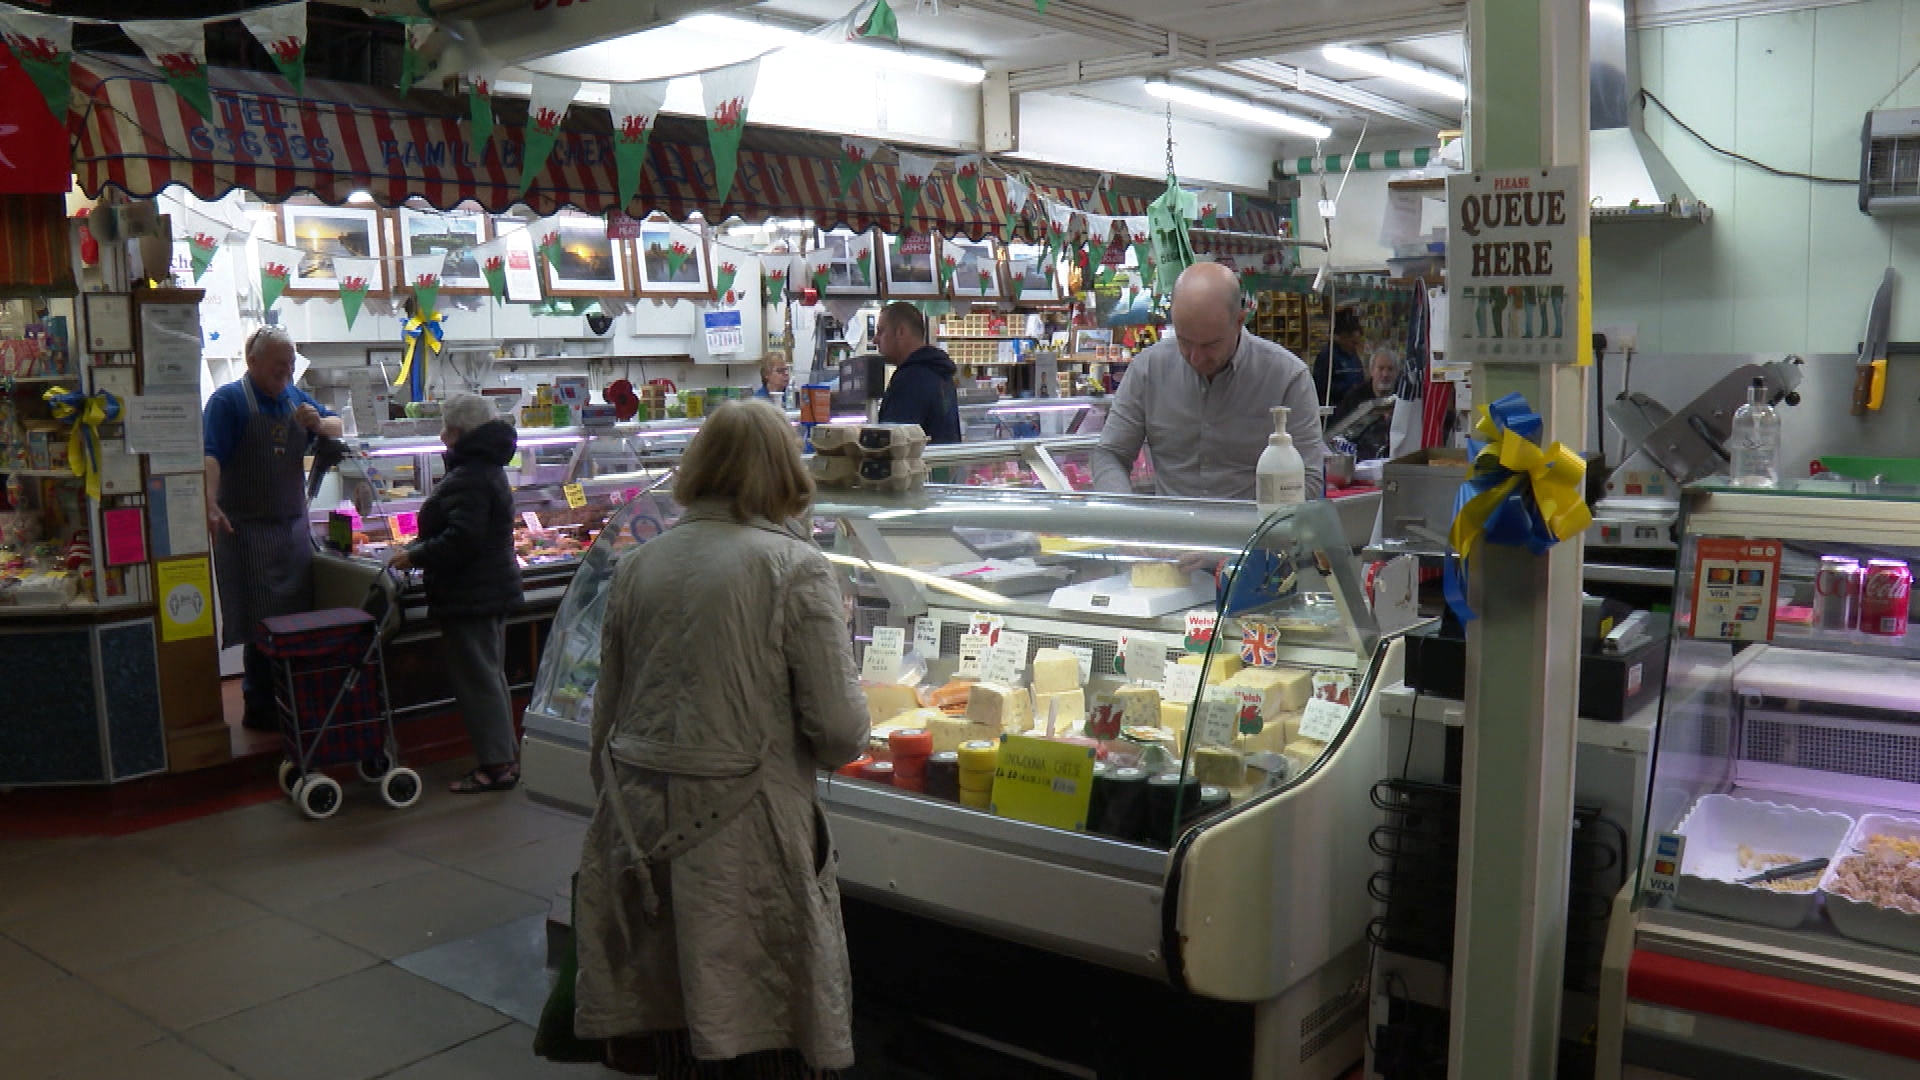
(361, 1026)
(212, 841)
(68, 1025)
(57, 880)
(14, 850)
(223, 973)
(290, 880)
(168, 1059)
(506, 1054)
(21, 967)
(504, 968)
(539, 868)
(116, 926)
(488, 824)
(418, 912)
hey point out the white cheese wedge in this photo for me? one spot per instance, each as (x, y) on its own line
(1219, 765)
(950, 731)
(1070, 710)
(1157, 575)
(1006, 708)
(1224, 667)
(888, 700)
(1281, 689)
(1055, 671)
(1139, 705)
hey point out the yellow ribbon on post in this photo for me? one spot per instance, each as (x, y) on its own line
(1517, 492)
(431, 329)
(86, 412)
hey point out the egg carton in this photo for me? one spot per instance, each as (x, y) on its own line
(900, 441)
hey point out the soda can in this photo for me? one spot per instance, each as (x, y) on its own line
(1884, 596)
(1836, 594)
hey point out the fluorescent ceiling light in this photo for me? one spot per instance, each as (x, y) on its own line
(875, 55)
(1239, 110)
(1398, 70)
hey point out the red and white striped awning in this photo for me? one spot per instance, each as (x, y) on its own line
(135, 134)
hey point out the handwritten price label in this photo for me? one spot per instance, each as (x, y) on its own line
(1219, 719)
(1322, 720)
(1181, 684)
(576, 495)
(1146, 661)
(971, 648)
(926, 636)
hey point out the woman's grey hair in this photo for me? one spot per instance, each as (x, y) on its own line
(466, 412)
(264, 336)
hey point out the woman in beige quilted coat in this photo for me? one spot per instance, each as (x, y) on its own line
(708, 924)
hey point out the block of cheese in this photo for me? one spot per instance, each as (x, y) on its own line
(888, 700)
(1139, 705)
(950, 731)
(1055, 671)
(1304, 752)
(1219, 765)
(1173, 717)
(912, 719)
(1224, 667)
(1271, 739)
(1157, 575)
(1281, 689)
(1070, 710)
(1006, 708)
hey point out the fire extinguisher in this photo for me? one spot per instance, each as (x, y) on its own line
(89, 247)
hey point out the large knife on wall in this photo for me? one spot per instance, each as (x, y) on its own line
(1870, 367)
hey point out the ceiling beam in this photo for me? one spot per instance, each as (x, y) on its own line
(1287, 77)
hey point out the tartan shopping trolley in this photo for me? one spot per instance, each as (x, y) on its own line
(330, 684)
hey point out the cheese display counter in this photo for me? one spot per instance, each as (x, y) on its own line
(1135, 732)
(1776, 927)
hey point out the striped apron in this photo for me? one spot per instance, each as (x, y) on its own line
(265, 566)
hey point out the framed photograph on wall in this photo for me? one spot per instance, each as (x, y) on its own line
(323, 232)
(591, 263)
(1027, 277)
(671, 261)
(852, 263)
(910, 272)
(976, 270)
(454, 234)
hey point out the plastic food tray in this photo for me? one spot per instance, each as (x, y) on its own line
(1710, 870)
(1869, 922)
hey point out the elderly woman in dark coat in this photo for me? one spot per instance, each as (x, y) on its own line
(473, 580)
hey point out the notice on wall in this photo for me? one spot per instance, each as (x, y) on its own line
(185, 588)
(168, 428)
(1516, 261)
(1735, 584)
(177, 514)
(724, 333)
(170, 348)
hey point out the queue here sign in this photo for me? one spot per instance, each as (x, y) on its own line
(1514, 263)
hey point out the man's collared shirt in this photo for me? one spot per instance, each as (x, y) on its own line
(1206, 435)
(226, 415)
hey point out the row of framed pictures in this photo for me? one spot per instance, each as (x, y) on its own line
(653, 258)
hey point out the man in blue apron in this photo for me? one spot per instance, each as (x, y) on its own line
(257, 429)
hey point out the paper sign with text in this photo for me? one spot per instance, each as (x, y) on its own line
(1181, 684)
(1322, 720)
(1514, 267)
(982, 623)
(1146, 661)
(972, 646)
(531, 520)
(1004, 665)
(1219, 719)
(576, 495)
(1043, 782)
(926, 636)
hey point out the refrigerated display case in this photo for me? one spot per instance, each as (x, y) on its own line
(1206, 825)
(1775, 929)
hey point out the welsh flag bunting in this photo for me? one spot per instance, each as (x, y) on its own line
(945, 266)
(480, 107)
(179, 49)
(634, 107)
(914, 171)
(677, 256)
(966, 173)
(773, 284)
(493, 267)
(1016, 282)
(1105, 278)
(881, 23)
(723, 281)
(1017, 195)
(819, 270)
(725, 94)
(1250, 280)
(282, 31)
(864, 261)
(204, 236)
(1099, 236)
(1209, 215)
(546, 108)
(419, 32)
(855, 156)
(546, 239)
(423, 277)
(277, 263)
(355, 276)
(1142, 241)
(44, 46)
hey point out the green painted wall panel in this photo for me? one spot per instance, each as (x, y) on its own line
(1767, 231)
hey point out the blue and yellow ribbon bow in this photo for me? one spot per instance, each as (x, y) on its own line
(430, 328)
(1516, 493)
(86, 412)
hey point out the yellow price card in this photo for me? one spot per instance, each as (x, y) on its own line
(1043, 782)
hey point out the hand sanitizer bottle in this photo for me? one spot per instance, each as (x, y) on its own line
(1280, 479)
(1755, 445)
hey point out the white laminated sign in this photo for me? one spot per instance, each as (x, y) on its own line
(1515, 262)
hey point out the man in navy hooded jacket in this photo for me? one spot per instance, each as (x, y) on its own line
(921, 390)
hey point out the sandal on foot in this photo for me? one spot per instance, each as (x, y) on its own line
(484, 779)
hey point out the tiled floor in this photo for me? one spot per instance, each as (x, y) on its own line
(255, 943)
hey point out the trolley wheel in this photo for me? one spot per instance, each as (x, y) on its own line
(289, 777)
(317, 796)
(400, 788)
(372, 769)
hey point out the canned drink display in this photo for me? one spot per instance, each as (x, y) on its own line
(1884, 597)
(1836, 594)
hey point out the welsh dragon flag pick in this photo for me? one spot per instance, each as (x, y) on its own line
(179, 49)
(914, 171)
(44, 46)
(634, 107)
(725, 94)
(480, 107)
(282, 31)
(855, 156)
(277, 264)
(546, 108)
(356, 275)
